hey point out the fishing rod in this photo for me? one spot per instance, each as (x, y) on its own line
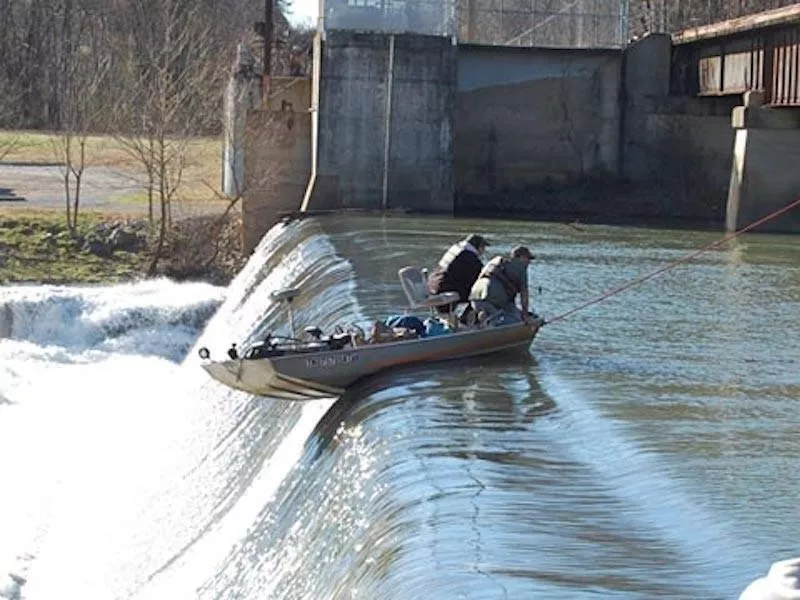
(675, 263)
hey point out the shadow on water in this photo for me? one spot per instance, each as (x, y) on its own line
(435, 381)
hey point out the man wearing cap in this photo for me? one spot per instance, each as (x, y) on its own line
(503, 278)
(458, 268)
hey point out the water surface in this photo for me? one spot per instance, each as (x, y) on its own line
(644, 447)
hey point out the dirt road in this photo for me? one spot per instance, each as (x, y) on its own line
(26, 186)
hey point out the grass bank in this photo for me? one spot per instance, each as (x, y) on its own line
(37, 247)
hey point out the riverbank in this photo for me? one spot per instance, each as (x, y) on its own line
(36, 246)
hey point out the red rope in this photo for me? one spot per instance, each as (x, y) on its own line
(675, 263)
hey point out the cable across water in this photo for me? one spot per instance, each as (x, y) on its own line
(675, 263)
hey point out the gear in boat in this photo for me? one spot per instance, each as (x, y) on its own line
(276, 345)
(279, 346)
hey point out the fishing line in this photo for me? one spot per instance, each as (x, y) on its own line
(675, 263)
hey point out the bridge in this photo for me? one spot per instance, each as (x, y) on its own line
(758, 53)
(755, 58)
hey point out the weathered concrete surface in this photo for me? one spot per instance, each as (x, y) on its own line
(676, 151)
(764, 179)
(277, 159)
(685, 167)
(530, 118)
(353, 122)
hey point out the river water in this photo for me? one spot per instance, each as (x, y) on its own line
(646, 447)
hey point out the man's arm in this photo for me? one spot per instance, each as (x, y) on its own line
(524, 299)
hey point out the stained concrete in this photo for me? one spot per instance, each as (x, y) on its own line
(767, 180)
(529, 117)
(353, 122)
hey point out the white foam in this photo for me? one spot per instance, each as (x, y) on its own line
(782, 582)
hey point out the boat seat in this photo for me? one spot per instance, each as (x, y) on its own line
(414, 285)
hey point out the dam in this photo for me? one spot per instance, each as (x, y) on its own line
(620, 457)
(427, 109)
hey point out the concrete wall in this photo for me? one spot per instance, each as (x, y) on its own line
(683, 166)
(676, 150)
(277, 158)
(528, 117)
(354, 105)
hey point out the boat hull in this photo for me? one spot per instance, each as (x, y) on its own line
(314, 375)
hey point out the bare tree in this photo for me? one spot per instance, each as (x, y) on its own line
(84, 67)
(8, 99)
(172, 80)
(10, 85)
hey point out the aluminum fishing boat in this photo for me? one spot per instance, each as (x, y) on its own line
(324, 366)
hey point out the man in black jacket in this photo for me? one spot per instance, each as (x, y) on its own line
(458, 269)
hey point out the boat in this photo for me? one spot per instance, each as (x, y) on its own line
(320, 366)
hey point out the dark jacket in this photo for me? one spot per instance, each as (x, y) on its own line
(456, 272)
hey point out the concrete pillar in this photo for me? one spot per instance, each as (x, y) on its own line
(764, 173)
(645, 88)
(241, 95)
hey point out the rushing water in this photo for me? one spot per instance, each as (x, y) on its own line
(646, 447)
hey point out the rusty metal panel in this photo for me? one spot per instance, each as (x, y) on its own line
(732, 69)
(785, 80)
(741, 72)
(710, 75)
(765, 59)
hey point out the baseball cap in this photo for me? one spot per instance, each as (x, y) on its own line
(523, 252)
(477, 240)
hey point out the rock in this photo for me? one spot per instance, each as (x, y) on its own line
(6, 321)
(99, 247)
(126, 240)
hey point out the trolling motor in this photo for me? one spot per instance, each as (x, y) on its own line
(287, 295)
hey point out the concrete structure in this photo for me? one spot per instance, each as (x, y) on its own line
(676, 151)
(750, 65)
(764, 174)
(529, 119)
(241, 95)
(408, 121)
(278, 152)
(386, 122)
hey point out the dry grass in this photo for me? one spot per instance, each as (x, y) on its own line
(200, 180)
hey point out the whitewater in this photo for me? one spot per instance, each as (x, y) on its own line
(116, 444)
(644, 449)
